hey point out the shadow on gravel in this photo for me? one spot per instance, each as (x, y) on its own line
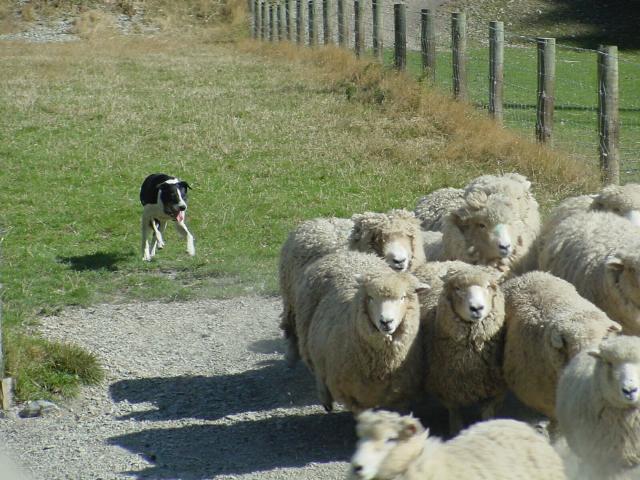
(271, 386)
(205, 451)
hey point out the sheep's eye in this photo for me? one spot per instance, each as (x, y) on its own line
(404, 297)
(392, 439)
(481, 225)
(369, 298)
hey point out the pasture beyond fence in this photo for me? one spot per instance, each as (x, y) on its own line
(585, 102)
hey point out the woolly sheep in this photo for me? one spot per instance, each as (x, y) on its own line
(598, 407)
(395, 236)
(361, 341)
(463, 315)
(547, 324)
(397, 447)
(599, 253)
(434, 207)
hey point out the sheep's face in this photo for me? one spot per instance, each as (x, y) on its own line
(397, 250)
(488, 225)
(624, 276)
(387, 443)
(617, 370)
(471, 298)
(621, 200)
(389, 297)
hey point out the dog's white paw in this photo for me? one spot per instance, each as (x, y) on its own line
(160, 245)
(146, 258)
(191, 249)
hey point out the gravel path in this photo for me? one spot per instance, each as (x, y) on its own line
(193, 390)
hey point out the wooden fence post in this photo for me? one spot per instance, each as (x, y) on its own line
(343, 30)
(428, 43)
(265, 21)
(459, 52)
(313, 23)
(546, 88)
(358, 6)
(257, 20)
(608, 114)
(496, 69)
(272, 23)
(378, 52)
(400, 29)
(300, 14)
(327, 21)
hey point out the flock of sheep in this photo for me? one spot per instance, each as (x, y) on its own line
(461, 301)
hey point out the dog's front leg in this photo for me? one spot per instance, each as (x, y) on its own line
(184, 231)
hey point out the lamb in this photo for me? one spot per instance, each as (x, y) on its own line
(397, 447)
(599, 253)
(395, 236)
(361, 340)
(598, 408)
(547, 324)
(463, 315)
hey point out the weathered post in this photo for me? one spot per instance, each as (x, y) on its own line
(313, 23)
(358, 6)
(378, 52)
(327, 21)
(496, 69)
(428, 43)
(608, 114)
(343, 30)
(546, 88)
(459, 52)
(257, 19)
(280, 21)
(272, 23)
(265, 21)
(400, 29)
(300, 16)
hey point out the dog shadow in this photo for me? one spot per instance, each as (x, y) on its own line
(205, 451)
(96, 261)
(271, 385)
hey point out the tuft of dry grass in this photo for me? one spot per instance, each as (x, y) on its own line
(473, 141)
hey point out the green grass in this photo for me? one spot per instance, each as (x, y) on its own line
(575, 117)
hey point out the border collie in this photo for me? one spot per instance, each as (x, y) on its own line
(163, 198)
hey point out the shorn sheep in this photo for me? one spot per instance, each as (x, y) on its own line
(464, 338)
(362, 341)
(547, 324)
(397, 447)
(599, 253)
(394, 236)
(598, 408)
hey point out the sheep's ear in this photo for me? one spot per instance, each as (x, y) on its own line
(614, 262)
(423, 287)
(557, 341)
(614, 328)
(410, 427)
(594, 352)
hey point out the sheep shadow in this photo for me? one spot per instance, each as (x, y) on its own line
(271, 385)
(206, 451)
(96, 261)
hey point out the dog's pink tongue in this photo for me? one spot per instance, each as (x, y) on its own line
(180, 217)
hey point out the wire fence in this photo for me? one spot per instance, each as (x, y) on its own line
(589, 119)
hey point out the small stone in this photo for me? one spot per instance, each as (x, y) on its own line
(38, 408)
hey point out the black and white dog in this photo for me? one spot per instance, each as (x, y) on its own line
(164, 198)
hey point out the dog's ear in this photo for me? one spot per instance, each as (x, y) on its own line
(185, 185)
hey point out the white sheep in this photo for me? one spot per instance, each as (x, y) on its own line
(434, 207)
(599, 253)
(463, 315)
(492, 229)
(394, 447)
(394, 236)
(598, 408)
(547, 324)
(361, 339)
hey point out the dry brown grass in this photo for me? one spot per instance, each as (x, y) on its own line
(471, 139)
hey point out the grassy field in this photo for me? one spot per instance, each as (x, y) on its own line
(267, 136)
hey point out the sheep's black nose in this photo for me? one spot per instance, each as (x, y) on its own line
(357, 468)
(630, 391)
(478, 309)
